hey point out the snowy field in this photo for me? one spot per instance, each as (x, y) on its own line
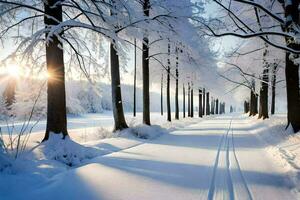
(219, 157)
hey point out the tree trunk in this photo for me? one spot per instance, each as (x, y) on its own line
(56, 95)
(183, 105)
(293, 97)
(207, 104)
(246, 107)
(145, 71)
(192, 101)
(161, 94)
(212, 110)
(176, 89)
(263, 97)
(253, 100)
(168, 95)
(134, 81)
(204, 102)
(116, 95)
(189, 106)
(168, 85)
(255, 104)
(292, 70)
(273, 101)
(217, 106)
(200, 103)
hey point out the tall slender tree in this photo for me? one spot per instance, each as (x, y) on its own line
(200, 103)
(183, 103)
(134, 81)
(263, 98)
(189, 100)
(204, 102)
(161, 94)
(217, 106)
(56, 92)
(253, 100)
(145, 70)
(176, 87)
(207, 104)
(273, 87)
(192, 100)
(116, 94)
(168, 84)
(213, 106)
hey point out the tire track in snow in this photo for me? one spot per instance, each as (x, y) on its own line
(243, 187)
(212, 187)
(227, 180)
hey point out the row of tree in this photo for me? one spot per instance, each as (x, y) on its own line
(63, 28)
(273, 27)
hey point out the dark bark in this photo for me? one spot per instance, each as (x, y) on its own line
(134, 81)
(293, 97)
(168, 85)
(189, 100)
(246, 107)
(263, 96)
(116, 94)
(217, 106)
(200, 104)
(161, 94)
(168, 95)
(292, 70)
(253, 100)
(212, 110)
(256, 103)
(176, 88)
(145, 71)
(192, 101)
(183, 105)
(56, 95)
(221, 108)
(204, 102)
(207, 104)
(273, 101)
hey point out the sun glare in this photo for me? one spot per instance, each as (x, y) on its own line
(13, 70)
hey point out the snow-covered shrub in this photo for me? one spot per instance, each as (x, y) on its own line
(90, 98)
(73, 105)
(148, 132)
(66, 150)
(103, 133)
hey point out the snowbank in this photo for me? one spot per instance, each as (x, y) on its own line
(282, 144)
(65, 150)
(148, 132)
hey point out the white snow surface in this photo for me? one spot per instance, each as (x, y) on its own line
(217, 157)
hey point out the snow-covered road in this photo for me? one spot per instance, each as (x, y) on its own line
(218, 158)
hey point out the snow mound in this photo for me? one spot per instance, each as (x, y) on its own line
(148, 132)
(66, 150)
(5, 164)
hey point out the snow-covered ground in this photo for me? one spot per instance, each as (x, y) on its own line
(222, 157)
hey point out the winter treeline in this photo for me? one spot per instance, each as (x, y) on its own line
(56, 42)
(270, 56)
